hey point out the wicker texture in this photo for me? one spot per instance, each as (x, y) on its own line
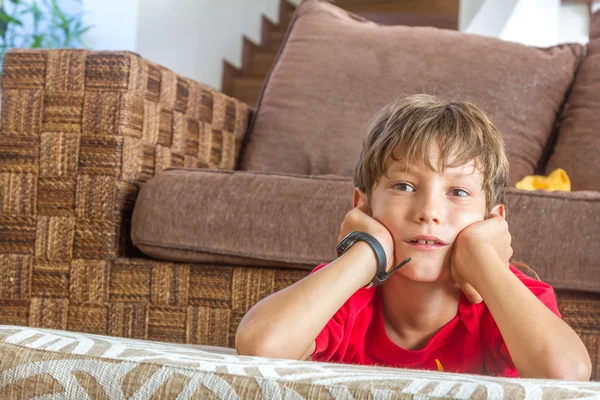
(79, 132)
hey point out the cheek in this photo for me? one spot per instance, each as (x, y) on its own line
(391, 214)
(460, 218)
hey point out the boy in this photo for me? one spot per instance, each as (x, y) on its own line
(430, 186)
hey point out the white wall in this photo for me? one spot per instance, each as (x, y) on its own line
(192, 37)
(468, 9)
(574, 23)
(111, 30)
(490, 17)
(532, 22)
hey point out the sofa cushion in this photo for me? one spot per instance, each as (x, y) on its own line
(556, 234)
(577, 149)
(247, 218)
(49, 363)
(336, 70)
(194, 215)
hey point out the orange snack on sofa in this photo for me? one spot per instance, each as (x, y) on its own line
(557, 180)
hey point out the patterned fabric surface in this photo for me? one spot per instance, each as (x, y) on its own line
(63, 365)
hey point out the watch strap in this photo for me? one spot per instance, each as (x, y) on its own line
(350, 239)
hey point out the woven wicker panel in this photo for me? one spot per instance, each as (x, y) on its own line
(79, 132)
(147, 299)
(582, 312)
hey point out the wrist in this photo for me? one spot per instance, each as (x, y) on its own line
(364, 261)
(486, 267)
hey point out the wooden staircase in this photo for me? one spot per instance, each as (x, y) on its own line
(246, 82)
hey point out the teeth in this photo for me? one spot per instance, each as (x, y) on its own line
(423, 241)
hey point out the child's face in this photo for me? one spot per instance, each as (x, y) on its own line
(421, 202)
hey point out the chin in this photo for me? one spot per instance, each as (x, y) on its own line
(421, 274)
(425, 270)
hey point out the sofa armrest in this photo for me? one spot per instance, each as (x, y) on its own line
(80, 131)
(556, 234)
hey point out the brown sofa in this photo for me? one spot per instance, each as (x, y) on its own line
(81, 132)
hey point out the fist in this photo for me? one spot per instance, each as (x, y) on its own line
(359, 219)
(471, 243)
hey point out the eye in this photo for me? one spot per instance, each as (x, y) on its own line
(403, 187)
(459, 192)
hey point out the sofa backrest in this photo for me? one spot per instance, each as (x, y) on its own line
(577, 149)
(336, 70)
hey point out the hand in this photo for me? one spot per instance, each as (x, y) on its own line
(474, 241)
(359, 219)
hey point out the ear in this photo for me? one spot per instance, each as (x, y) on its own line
(500, 209)
(360, 200)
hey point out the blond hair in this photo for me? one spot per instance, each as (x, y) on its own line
(414, 124)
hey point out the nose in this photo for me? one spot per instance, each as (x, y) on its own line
(429, 217)
(428, 211)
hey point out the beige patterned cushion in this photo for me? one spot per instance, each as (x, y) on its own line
(59, 364)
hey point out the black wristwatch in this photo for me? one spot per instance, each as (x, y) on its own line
(353, 237)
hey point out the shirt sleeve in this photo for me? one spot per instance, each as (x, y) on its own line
(336, 341)
(496, 358)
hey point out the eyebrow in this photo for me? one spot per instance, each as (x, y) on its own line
(451, 175)
(407, 170)
(460, 175)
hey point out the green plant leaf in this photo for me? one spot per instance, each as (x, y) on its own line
(3, 26)
(52, 27)
(84, 30)
(8, 19)
(37, 41)
(36, 12)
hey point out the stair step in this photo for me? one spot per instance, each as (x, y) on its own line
(287, 18)
(286, 10)
(277, 35)
(274, 41)
(247, 89)
(261, 63)
(289, 15)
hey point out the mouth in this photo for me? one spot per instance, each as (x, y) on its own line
(426, 242)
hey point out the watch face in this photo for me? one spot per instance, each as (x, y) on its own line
(345, 244)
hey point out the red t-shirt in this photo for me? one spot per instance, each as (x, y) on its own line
(470, 343)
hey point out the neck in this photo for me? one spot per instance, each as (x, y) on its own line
(414, 311)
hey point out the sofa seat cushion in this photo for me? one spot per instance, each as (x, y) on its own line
(195, 215)
(577, 148)
(336, 70)
(47, 362)
(245, 218)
